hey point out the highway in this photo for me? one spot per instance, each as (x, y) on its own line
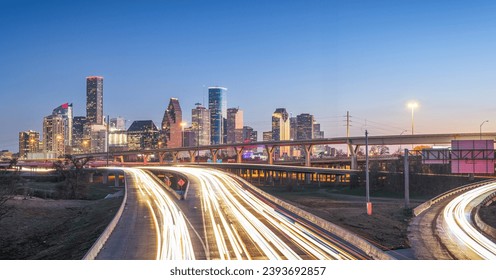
(446, 229)
(238, 224)
(458, 219)
(151, 227)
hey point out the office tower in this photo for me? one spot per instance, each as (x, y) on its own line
(65, 110)
(234, 125)
(117, 134)
(304, 127)
(317, 133)
(29, 142)
(118, 123)
(53, 134)
(189, 137)
(97, 137)
(172, 125)
(78, 144)
(293, 124)
(280, 130)
(267, 136)
(249, 135)
(201, 125)
(94, 100)
(142, 135)
(217, 104)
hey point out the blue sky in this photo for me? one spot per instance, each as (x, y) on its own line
(318, 57)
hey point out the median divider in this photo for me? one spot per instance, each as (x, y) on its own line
(426, 205)
(100, 242)
(171, 190)
(344, 234)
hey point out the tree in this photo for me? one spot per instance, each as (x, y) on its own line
(9, 180)
(70, 169)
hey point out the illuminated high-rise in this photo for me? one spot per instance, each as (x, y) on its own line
(29, 142)
(217, 104)
(281, 130)
(234, 125)
(65, 110)
(94, 100)
(201, 125)
(172, 130)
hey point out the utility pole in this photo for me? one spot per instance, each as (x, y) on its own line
(348, 129)
(406, 172)
(367, 179)
(108, 136)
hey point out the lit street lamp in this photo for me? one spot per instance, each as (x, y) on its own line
(480, 128)
(412, 105)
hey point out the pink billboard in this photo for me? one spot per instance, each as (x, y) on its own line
(472, 156)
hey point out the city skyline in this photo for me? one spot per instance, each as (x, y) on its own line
(322, 58)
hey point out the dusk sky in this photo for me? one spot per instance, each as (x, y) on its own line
(318, 57)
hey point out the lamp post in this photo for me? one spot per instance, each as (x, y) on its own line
(480, 128)
(412, 105)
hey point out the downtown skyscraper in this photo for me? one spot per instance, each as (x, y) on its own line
(281, 130)
(172, 125)
(94, 100)
(201, 125)
(217, 104)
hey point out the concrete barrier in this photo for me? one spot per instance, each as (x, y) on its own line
(426, 205)
(487, 229)
(344, 234)
(172, 191)
(98, 245)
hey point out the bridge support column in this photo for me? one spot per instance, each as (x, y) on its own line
(174, 156)
(116, 179)
(270, 153)
(105, 176)
(239, 154)
(90, 177)
(191, 156)
(145, 159)
(161, 157)
(214, 153)
(308, 152)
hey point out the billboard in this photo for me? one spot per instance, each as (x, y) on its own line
(472, 156)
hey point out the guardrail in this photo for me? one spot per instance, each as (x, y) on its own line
(426, 205)
(487, 229)
(168, 188)
(98, 245)
(344, 234)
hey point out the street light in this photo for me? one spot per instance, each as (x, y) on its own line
(412, 105)
(480, 128)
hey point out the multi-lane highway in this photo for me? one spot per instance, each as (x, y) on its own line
(151, 226)
(447, 231)
(460, 225)
(220, 219)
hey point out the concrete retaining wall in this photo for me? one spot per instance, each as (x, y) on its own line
(346, 235)
(98, 245)
(426, 205)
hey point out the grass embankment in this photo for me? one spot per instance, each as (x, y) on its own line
(60, 229)
(386, 227)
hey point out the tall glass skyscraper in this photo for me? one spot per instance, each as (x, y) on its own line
(217, 104)
(94, 100)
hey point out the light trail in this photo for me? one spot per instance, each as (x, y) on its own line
(457, 215)
(173, 239)
(244, 226)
